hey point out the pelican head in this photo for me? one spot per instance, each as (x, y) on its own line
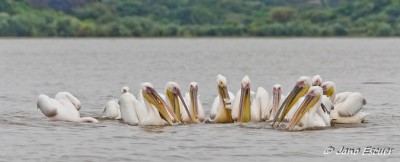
(299, 90)
(151, 96)
(193, 89)
(244, 105)
(328, 88)
(124, 89)
(313, 96)
(174, 95)
(277, 89)
(316, 80)
(223, 91)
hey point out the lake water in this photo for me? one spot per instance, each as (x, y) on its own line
(94, 70)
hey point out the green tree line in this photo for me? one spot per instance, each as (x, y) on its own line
(157, 18)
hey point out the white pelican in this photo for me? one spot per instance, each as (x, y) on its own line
(221, 109)
(316, 80)
(63, 107)
(175, 100)
(150, 111)
(274, 103)
(112, 109)
(245, 111)
(241, 108)
(299, 90)
(307, 114)
(195, 107)
(347, 105)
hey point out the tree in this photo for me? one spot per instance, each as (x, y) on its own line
(282, 14)
(339, 30)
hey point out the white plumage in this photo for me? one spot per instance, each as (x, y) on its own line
(63, 107)
(347, 105)
(259, 105)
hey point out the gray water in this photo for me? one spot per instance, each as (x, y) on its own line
(94, 70)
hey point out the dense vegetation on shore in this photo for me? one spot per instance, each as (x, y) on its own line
(148, 18)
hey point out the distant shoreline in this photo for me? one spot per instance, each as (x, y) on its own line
(182, 18)
(209, 37)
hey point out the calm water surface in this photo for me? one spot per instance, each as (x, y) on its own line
(94, 70)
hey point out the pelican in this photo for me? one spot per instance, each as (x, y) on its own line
(245, 111)
(221, 109)
(196, 108)
(64, 107)
(112, 109)
(150, 109)
(241, 109)
(274, 103)
(309, 111)
(299, 90)
(316, 80)
(176, 102)
(347, 105)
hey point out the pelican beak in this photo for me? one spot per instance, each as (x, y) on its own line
(154, 99)
(275, 101)
(244, 106)
(193, 97)
(306, 105)
(223, 92)
(176, 96)
(290, 100)
(327, 92)
(175, 106)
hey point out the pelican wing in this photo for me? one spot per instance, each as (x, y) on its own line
(341, 97)
(351, 105)
(68, 97)
(47, 105)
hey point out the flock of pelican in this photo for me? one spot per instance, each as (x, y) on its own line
(311, 104)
